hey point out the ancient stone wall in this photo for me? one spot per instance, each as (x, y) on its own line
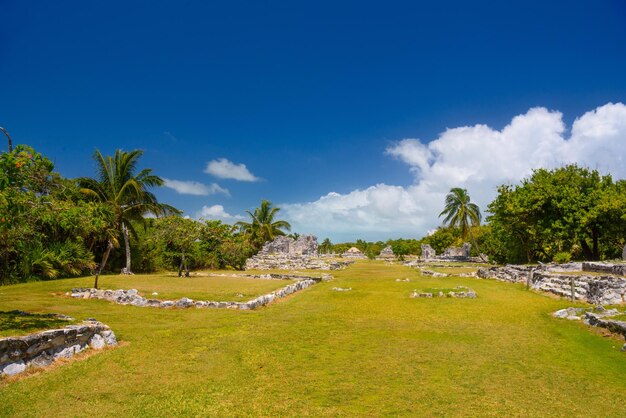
(43, 348)
(132, 297)
(609, 268)
(609, 290)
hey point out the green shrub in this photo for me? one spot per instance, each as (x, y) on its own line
(562, 257)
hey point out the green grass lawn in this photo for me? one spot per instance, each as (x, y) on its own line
(454, 269)
(372, 351)
(170, 286)
(13, 323)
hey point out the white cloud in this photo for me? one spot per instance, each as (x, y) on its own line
(194, 187)
(217, 212)
(478, 158)
(225, 169)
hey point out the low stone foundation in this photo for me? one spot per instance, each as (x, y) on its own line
(458, 292)
(618, 269)
(598, 317)
(605, 290)
(43, 348)
(132, 297)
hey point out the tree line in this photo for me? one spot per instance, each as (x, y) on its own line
(53, 227)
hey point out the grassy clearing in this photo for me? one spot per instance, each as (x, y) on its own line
(369, 352)
(170, 286)
(454, 270)
(13, 324)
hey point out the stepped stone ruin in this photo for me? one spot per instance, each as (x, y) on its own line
(386, 253)
(285, 253)
(450, 254)
(354, 253)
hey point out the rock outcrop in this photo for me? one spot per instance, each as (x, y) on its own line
(43, 348)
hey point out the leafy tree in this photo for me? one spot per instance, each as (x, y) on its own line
(460, 212)
(46, 230)
(127, 193)
(181, 235)
(569, 209)
(262, 226)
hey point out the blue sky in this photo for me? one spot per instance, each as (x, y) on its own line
(354, 117)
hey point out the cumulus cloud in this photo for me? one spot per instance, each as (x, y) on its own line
(217, 212)
(226, 169)
(478, 158)
(194, 187)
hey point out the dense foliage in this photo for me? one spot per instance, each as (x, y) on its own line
(53, 227)
(569, 212)
(47, 229)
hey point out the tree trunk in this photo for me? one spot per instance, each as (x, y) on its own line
(182, 264)
(127, 269)
(105, 257)
(476, 245)
(586, 250)
(596, 250)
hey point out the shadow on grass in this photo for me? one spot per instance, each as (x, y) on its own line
(18, 322)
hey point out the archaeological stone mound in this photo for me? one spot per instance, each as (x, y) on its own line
(285, 253)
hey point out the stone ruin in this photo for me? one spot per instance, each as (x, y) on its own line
(386, 253)
(605, 289)
(428, 253)
(43, 348)
(285, 253)
(450, 254)
(354, 253)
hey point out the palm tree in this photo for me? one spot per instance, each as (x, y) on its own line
(126, 192)
(460, 212)
(326, 245)
(263, 227)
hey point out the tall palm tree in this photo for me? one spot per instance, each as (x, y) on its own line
(326, 245)
(127, 194)
(263, 227)
(460, 212)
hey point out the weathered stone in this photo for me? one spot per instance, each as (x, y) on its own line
(97, 342)
(12, 369)
(184, 303)
(354, 253)
(428, 253)
(341, 289)
(109, 337)
(386, 253)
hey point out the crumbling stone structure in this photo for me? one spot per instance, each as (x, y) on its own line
(450, 254)
(43, 348)
(354, 253)
(285, 253)
(605, 290)
(386, 253)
